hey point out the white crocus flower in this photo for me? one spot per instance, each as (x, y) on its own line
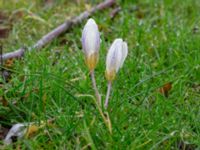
(91, 43)
(114, 61)
(115, 58)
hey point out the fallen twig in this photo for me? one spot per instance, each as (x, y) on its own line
(58, 30)
(115, 12)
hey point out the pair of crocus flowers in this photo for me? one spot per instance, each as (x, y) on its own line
(116, 55)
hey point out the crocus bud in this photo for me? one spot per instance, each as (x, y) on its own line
(115, 58)
(91, 43)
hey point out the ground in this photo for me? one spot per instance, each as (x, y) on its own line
(155, 99)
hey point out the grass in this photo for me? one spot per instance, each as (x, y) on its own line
(163, 39)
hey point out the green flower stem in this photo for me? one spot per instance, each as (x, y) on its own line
(95, 87)
(108, 94)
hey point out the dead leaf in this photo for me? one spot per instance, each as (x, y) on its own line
(3, 17)
(9, 63)
(3, 101)
(5, 26)
(165, 89)
(4, 32)
(32, 129)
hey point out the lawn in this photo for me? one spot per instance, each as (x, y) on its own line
(53, 83)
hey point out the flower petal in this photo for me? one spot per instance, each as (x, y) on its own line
(124, 53)
(114, 56)
(90, 38)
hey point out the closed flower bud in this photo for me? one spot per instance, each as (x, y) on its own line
(115, 58)
(91, 43)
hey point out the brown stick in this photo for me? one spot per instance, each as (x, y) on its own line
(115, 12)
(58, 30)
